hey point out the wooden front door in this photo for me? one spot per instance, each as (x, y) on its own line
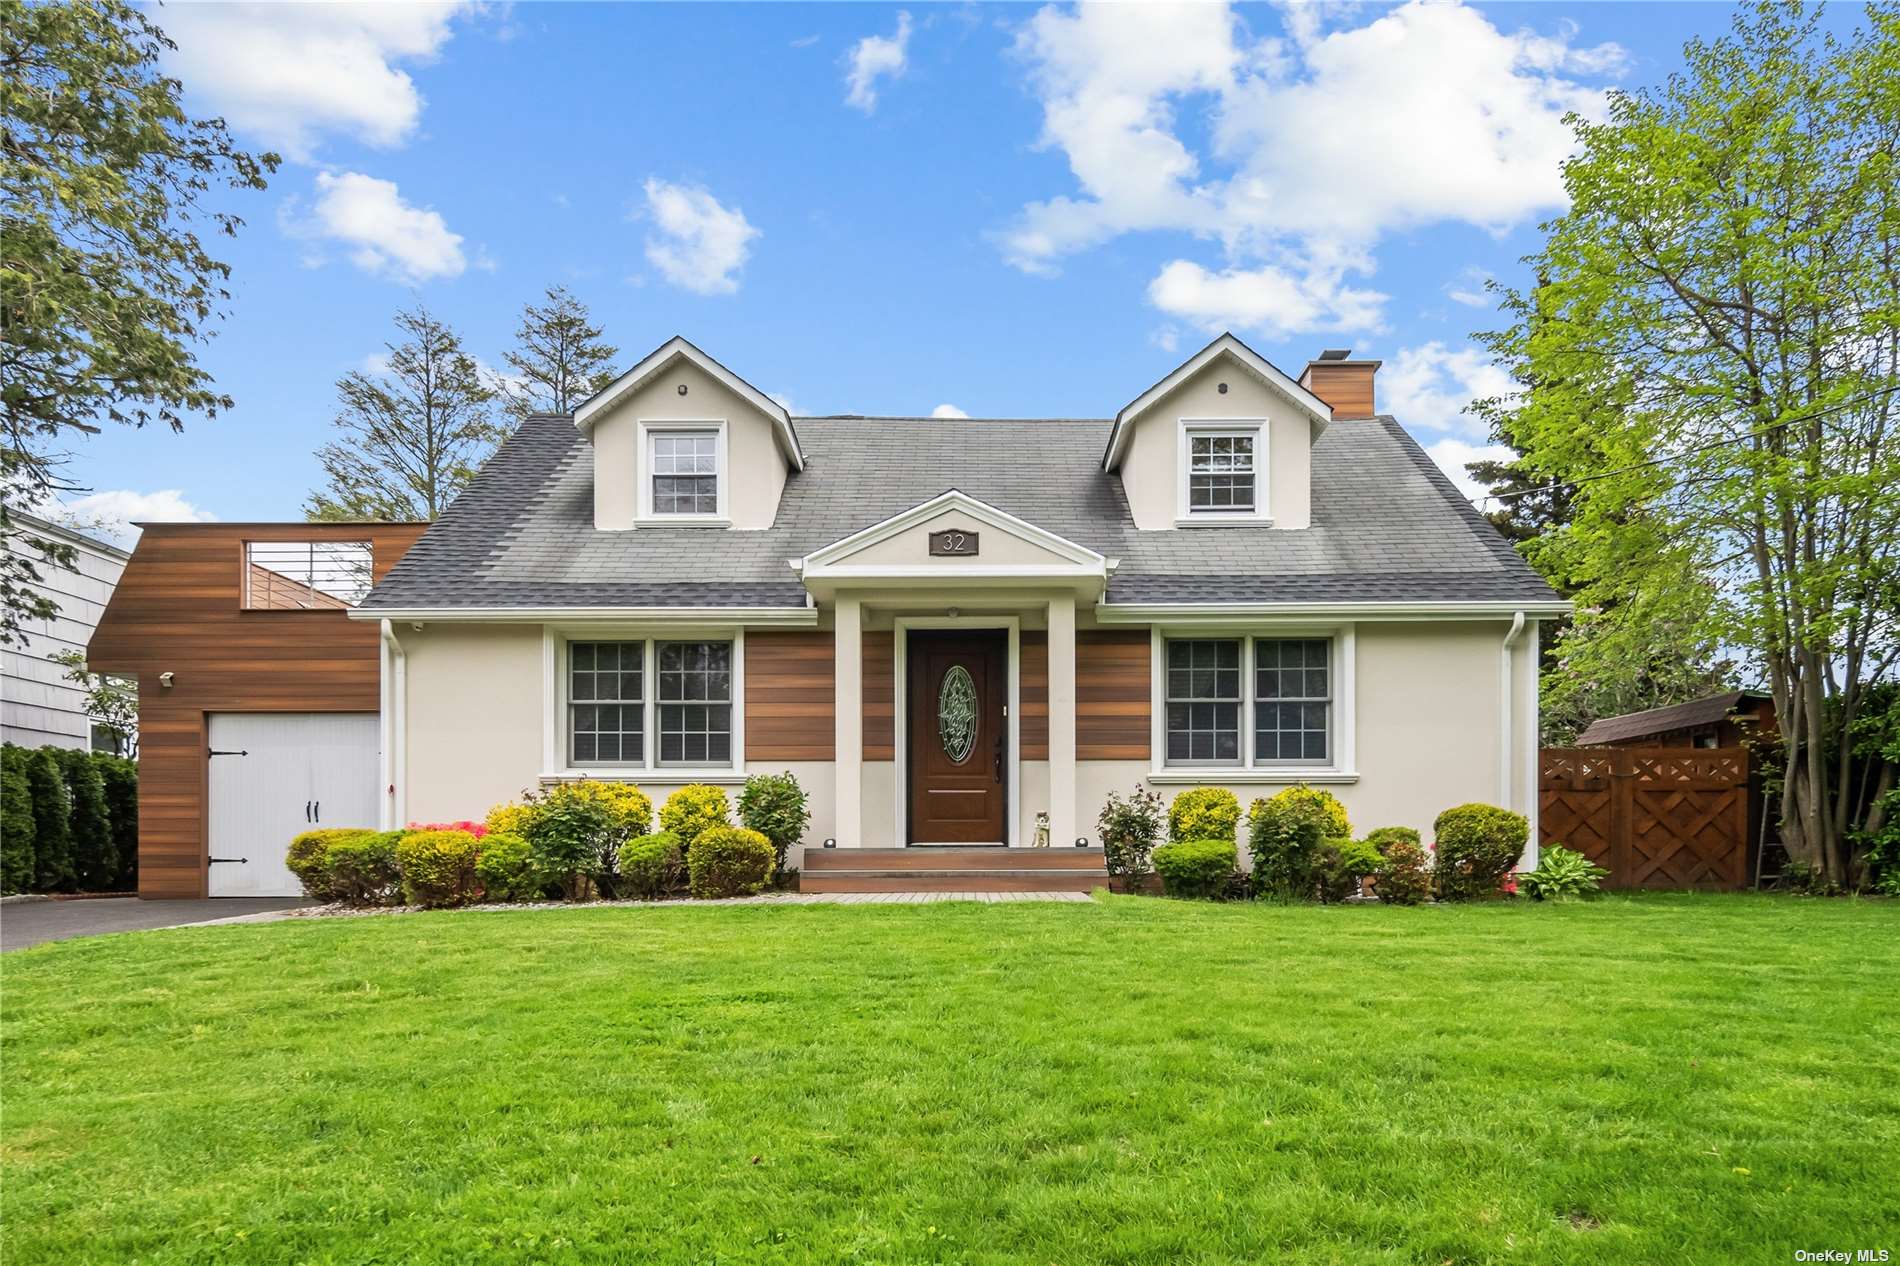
(957, 736)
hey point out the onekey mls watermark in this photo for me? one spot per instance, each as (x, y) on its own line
(1851, 1255)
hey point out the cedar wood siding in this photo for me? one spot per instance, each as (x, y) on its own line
(179, 609)
(788, 696)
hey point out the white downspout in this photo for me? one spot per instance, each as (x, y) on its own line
(1504, 711)
(395, 728)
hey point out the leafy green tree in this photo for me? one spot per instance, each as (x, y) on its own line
(112, 702)
(122, 807)
(1712, 358)
(413, 436)
(95, 851)
(52, 840)
(560, 359)
(16, 823)
(105, 286)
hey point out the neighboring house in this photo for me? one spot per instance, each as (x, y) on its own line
(258, 697)
(945, 627)
(38, 705)
(1725, 720)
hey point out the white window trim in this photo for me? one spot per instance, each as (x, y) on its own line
(649, 427)
(1258, 430)
(556, 748)
(1342, 768)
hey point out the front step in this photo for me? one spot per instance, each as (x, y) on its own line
(938, 868)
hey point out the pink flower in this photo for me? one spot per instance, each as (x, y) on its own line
(476, 829)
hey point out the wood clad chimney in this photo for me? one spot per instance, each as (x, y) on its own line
(1342, 382)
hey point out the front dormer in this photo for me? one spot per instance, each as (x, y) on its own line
(1224, 441)
(679, 440)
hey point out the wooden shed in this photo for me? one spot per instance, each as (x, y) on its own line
(258, 696)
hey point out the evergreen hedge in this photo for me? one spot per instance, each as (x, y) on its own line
(69, 821)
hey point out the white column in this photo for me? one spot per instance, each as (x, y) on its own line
(1062, 811)
(847, 708)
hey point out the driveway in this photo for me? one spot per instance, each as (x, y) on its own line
(27, 923)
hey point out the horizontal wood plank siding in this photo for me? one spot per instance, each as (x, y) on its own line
(788, 696)
(1112, 687)
(179, 609)
(878, 652)
(1033, 687)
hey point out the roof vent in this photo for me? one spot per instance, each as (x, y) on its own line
(1335, 353)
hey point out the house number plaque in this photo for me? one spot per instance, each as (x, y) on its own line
(952, 544)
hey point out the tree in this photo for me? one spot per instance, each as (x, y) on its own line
(16, 823)
(560, 360)
(105, 287)
(112, 703)
(413, 436)
(1712, 356)
(95, 850)
(52, 840)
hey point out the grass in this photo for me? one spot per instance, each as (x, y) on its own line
(1673, 1079)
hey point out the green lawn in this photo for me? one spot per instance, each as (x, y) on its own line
(1675, 1079)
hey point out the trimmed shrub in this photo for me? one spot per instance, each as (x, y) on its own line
(568, 835)
(1343, 864)
(95, 853)
(52, 842)
(309, 858)
(630, 808)
(121, 777)
(1198, 869)
(1204, 813)
(1382, 836)
(776, 807)
(512, 818)
(438, 867)
(1405, 877)
(693, 810)
(1322, 803)
(729, 861)
(1129, 830)
(1477, 846)
(363, 869)
(506, 869)
(651, 866)
(1562, 874)
(1284, 834)
(16, 824)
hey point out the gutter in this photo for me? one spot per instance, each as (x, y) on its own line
(395, 702)
(1163, 612)
(751, 616)
(1504, 709)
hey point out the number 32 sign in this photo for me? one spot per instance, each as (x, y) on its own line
(952, 544)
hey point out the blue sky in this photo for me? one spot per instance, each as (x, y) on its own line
(1009, 210)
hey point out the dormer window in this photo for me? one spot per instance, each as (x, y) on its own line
(685, 472)
(1223, 467)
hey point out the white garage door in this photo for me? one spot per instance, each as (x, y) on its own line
(275, 774)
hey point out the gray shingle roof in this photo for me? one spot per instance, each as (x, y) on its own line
(1387, 524)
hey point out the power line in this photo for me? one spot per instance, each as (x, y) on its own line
(1701, 448)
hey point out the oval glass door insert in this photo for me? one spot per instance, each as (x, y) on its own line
(956, 714)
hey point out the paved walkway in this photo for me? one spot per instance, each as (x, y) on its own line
(24, 923)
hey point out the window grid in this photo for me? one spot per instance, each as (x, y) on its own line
(606, 702)
(1289, 708)
(686, 472)
(1293, 699)
(695, 709)
(1220, 472)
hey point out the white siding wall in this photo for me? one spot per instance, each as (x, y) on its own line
(37, 705)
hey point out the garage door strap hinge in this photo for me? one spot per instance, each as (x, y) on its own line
(215, 860)
(212, 751)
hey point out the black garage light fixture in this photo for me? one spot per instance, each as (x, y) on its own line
(831, 843)
(1082, 841)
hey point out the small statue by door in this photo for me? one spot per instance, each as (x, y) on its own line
(1042, 830)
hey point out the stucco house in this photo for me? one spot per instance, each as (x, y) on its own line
(946, 627)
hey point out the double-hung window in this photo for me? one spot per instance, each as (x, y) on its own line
(685, 472)
(611, 710)
(1220, 472)
(1276, 691)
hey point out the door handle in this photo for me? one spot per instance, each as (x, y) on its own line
(306, 811)
(999, 758)
(319, 811)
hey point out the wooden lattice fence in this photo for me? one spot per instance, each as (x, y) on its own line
(1657, 817)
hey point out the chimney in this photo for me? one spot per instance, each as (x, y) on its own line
(1342, 382)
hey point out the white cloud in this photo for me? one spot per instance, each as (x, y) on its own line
(1469, 289)
(1451, 456)
(383, 235)
(288, 74)
(1317, 146)
(1433, 385)
(1269, 299)
(948, 411)
(697, 244)
(872, 58)
(784, 402)
(804, 41)
(111, 514)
